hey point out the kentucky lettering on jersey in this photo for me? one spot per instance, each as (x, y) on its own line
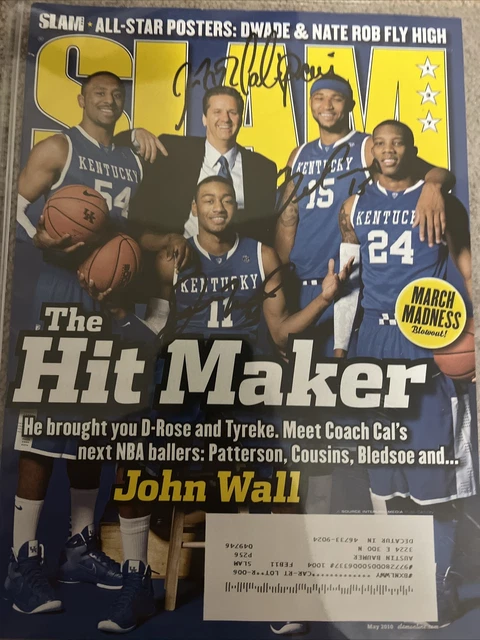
(391, 251)
(103, 168)
(115, 172)
(377, 217)
(220, 294)
(318, 235)
(201, 284)
(312, 167)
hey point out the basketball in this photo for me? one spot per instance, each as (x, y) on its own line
(77, 210)
(457, 361)
(113, 265)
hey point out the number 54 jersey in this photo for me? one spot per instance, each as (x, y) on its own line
(115, 172)
(392, 254)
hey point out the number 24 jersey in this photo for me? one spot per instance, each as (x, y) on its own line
(392, 254)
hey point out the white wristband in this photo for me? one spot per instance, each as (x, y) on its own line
(345, 307)
(136, 144)
(22, 218)
(157, 314)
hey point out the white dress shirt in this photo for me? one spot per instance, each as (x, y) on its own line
(211, 167)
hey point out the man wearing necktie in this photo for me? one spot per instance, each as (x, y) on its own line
(224, 168)
(163, 204)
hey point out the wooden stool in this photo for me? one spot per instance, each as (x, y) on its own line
(174, 552)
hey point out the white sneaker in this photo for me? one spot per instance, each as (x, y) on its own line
(289, 628)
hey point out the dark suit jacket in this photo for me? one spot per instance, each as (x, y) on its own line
(163, 201)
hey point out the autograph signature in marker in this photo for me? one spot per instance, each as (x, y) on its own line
(250, 307)
(359, 181)
(275, 68)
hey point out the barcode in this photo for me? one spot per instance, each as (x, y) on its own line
(303, 587)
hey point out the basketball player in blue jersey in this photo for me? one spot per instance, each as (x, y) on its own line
(83, 155)
(377, 231)
(324, 173)
(223, 292)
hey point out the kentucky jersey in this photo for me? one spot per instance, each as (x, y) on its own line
(341, 166)
(439, 414)
(221, 294)
(116, 173)
(392, 254)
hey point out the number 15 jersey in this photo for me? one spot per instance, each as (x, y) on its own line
(342, 168)
(392, 254)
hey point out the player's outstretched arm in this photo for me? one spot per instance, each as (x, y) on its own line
(458, 239)
(287, 222)
(346, 306)
(279, 322)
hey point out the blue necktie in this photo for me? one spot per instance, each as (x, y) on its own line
(224, 168)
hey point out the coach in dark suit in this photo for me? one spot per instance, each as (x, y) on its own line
(162, 205)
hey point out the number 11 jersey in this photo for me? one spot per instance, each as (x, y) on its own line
(219, 295)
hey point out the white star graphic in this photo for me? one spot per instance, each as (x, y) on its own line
(428, 69)
(429, 122)
(428, 95)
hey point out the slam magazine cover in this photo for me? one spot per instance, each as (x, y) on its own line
(241, 365)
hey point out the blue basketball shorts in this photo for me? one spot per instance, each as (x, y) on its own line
(439, 415)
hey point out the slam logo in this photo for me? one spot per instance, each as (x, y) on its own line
(407, 79)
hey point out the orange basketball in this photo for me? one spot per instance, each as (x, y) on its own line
(113, 265)
(457, 361)
(77, 210)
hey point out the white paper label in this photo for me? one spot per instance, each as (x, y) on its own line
(320, 567)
